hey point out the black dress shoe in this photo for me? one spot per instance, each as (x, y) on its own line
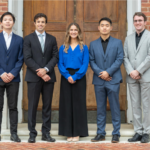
(136, 137)
(14, 137)
(115, 138)
(48, 138)
(145, 138)
(98, 137)
(31, 140)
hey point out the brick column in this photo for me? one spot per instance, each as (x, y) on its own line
(3, 8)
(146, 11)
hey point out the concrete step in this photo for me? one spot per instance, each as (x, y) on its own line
(126, 132)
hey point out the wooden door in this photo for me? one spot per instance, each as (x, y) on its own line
(86, 14)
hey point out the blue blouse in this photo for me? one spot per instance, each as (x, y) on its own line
(76, 59)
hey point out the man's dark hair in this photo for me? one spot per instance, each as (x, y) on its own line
(140, 14)
(106, 19)
(7, 13)
(39, 15)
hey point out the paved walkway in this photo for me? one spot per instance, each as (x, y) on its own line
(73, 146)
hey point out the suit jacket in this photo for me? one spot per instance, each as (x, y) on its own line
(137, 59)
(34, 57)
(11, 60)
(110, 61)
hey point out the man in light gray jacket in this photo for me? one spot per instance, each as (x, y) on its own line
(137, 64)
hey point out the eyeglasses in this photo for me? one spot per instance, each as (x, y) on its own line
(138, 21)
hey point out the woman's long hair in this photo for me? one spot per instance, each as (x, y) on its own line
(68, 38)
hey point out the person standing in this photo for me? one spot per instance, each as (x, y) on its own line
(11, 61)
(73, 64)
(106, 57)
(137, 64)
(41, 56)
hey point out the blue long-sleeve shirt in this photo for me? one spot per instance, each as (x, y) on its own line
(75, 59)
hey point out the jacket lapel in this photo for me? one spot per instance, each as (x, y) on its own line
(109, 46)
(38, 42)
(144, 36)
(3, 41)
(46, 42)
(100, 47)
(12, 42)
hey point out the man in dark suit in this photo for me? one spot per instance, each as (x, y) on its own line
(11, 60)
(40, 55)
(106, 57)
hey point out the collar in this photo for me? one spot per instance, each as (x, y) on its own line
(107, 40)
(5, 33)
(38, 33)
(140, 35)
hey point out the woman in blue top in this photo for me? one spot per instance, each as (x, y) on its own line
(73, 64)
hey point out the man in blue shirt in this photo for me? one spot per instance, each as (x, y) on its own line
(106, 57)
(11, 60)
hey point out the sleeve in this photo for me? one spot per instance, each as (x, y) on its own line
(15, 71)
(126, 61)
(116, 65)
(146, 63)
(53, 61)
(29, 61)
(82, 71)
(93, 64)
(61, 66)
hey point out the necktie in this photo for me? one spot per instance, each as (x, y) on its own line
(42, 42)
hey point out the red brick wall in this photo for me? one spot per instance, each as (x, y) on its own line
(3, 8)
(146, 11)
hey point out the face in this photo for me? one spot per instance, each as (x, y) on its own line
(40, 24)
(7, 22)
(73, 32)
(139, 23)
(105, 27)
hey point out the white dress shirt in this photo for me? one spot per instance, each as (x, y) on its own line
(44, 37)
(7, 39)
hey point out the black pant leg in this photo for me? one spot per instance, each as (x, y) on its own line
(47, 94)
(34, 90)
(12, 89)
(2, 89)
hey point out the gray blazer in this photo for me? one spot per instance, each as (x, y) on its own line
(137, 59)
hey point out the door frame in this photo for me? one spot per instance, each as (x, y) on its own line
(132, 7)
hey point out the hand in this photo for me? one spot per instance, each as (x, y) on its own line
(138, 77)
(108, 79)
(46, 78)
(10, 76)
(134, 74)
(104, 75)
(41, 72)
(70, 80)
(5, 78)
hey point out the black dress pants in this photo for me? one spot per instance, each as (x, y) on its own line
(12, 89)
(34, 90)
(72, 108)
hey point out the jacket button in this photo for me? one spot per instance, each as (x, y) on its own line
(43, 57)
(104, 60)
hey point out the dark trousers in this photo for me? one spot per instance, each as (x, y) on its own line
(12, 89)
(112, 92)
(72, 108)
(34, 90)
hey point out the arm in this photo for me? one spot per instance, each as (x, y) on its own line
(127, 64)
(82, 71)
(15, 71)
(93, 64)
(116, 65)
(29, 61)
(146, 63)
(53, 61)
(61, 66)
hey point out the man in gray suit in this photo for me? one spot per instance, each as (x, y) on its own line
(137, 64)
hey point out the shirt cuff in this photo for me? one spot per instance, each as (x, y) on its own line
(1, 74)
(46, 69)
